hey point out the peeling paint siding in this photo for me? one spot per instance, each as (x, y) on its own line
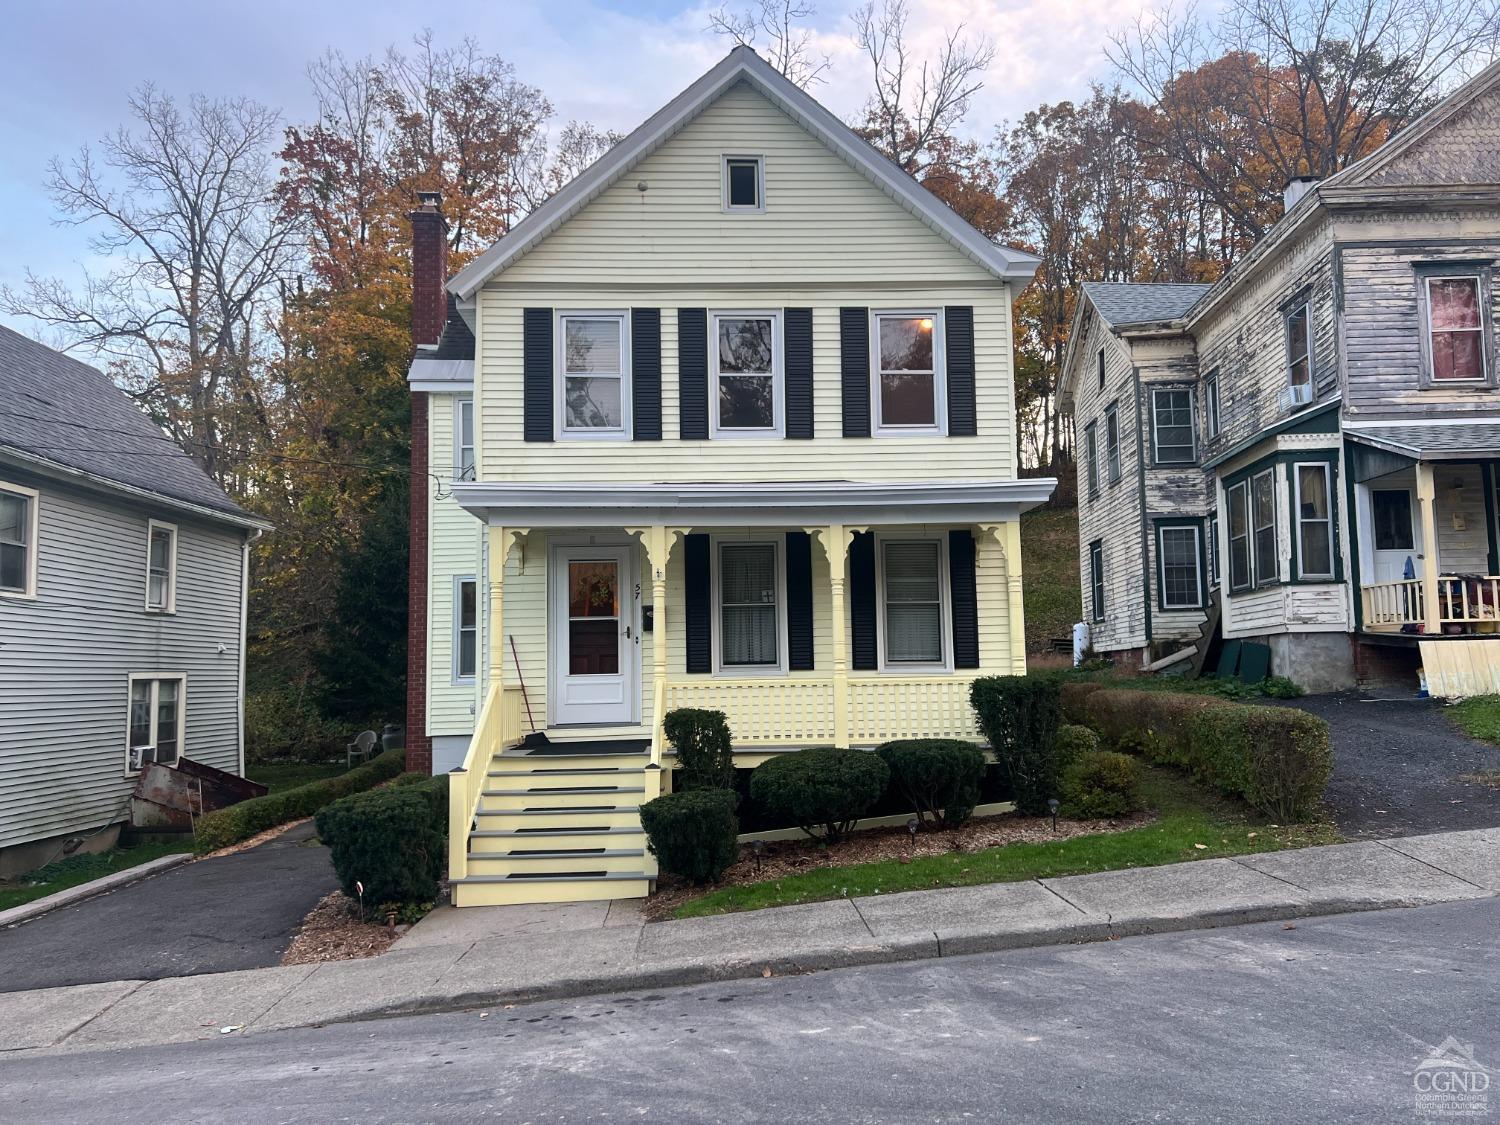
(65, 658)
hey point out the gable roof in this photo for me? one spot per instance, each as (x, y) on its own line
(743, 65)
(62, 413)
(1124, 303)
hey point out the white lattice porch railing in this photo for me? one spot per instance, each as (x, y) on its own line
(763, 712)
(910, 707)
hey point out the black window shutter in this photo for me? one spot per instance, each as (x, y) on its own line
(799, 601)
(862, 611)
(536, 374)
(854, 364)
(645, 374)
(958, 328)
(692, 375)
(797, 326)
(699, 611)
(965, 599)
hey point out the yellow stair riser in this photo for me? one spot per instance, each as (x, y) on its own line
(565, 781)
(547, 799)
(558, 762)
(524, 891)
(565, 865)
(615, 818)
(612, 840)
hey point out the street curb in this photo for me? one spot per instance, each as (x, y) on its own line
(35, 909)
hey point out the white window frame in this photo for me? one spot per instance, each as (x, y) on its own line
(1161, 568)
(1479, 331)
(152, 527)
(464, 404)
(1101, 363)
(1097, 591)
(939, 426)
(1298, 521)
(945, 605)
(1091, 452)
(1249, 537)
(1211, 406)
(560, 428)
(1212, 547)
(716, 545)
(154, 678)
(1303, 306)
(1255, 529)
(33, 524)
(1113, 457)
(760, 183)
(459, 678)
(1192, 445)
(777, 428)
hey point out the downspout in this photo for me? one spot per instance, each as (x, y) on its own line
(1142, 449)
(250, 539)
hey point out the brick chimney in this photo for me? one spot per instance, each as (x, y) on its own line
(429, 269)
(429, 309)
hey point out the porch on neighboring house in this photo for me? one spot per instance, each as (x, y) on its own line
(1424, 528)
(620, 603)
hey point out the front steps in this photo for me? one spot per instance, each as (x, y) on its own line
(560, 827)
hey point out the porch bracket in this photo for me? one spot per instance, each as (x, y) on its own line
(1007, 537)
(501, 539)
(836, 539)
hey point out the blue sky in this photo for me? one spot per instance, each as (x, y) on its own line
(67, 67)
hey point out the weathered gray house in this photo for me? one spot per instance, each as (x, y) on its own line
(1309, 446)
(123, 573)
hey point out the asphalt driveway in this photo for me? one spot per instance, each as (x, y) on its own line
(211, 916)
(1397, 764)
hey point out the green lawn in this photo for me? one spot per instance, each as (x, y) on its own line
(276, 776)
(1049, 562)
(1478, 717)
(1191, 824)
(78, 869)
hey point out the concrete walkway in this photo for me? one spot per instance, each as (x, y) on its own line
(538, 960)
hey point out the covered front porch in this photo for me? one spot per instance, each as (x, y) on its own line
(1425, 528)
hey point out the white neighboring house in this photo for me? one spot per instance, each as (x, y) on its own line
(734, 429)
(1306, 453)
(123, 574)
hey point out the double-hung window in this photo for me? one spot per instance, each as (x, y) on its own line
(750, 606)
(1299, 348)
(465, 629)
(1172, 425)
(464, 464)
(161, 567)
(1213, 550)
(746, 374)
(1211, 404)
(1112, 440)
(911, 573)
(1263, 524)
(1096, 579)
(154, 727)
(1314, 520)
(594, 387)
(1455, 329)
(18, 522)
(1091, 455)
(909, 372)
(1179, 566)
(1237, 498)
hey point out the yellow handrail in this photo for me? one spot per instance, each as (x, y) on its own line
(466, 783)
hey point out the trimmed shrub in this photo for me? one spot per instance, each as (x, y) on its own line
(823, 791)
(1276, 758)
(1073, 700)
(939, 776)
(1279, 687)
(1020, 716)
(1072, 742)
(702, 741)
(393, 840)
(1100, 783)
(282, 723)
(239, 822)
(693, 832)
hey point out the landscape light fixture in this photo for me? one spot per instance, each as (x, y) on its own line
(1052, 805)
(758, 847)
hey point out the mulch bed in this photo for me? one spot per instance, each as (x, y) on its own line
(781, 858)
(333, 932)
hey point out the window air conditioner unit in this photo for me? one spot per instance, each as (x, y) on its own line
(1293, 397)
(139, 756)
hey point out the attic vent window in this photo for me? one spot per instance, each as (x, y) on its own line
(743, 183)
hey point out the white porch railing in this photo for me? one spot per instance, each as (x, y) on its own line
(917, 707)
(1460, 601)
(763, 712)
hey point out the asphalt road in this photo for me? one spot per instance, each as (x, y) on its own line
(1397, 764)
(1324, 1021)
(211, 916)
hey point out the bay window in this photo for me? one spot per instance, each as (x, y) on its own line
(1238, 500)
(1314, 520)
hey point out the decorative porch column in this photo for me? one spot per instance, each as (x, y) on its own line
(657, 541)
(836, 539)
(1432, 612)
(1007, 538)
(500, 540)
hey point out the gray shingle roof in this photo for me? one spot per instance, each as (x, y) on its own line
(56, 408)
(457, 341)
(1141, 302)
(1433, 441)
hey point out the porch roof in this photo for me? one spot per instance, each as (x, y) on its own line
(751, 504)
(1456, 440)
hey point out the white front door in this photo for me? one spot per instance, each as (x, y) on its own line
(592, 635)
(1393, 514)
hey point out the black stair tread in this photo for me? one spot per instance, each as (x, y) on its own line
(543, 833)
(597, 790)
(591, 747)
(560, 877)
(580, 854)
(595, 771)
(561, 810)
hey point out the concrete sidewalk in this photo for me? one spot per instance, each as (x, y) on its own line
(534, 962)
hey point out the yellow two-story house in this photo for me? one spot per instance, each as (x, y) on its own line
(727, 423)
